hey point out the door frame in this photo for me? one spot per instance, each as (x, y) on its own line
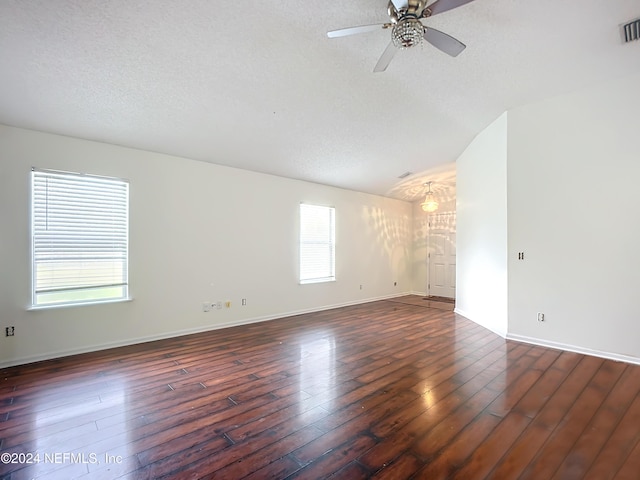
(442, 221)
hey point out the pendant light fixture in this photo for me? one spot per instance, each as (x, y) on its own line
(429, 205)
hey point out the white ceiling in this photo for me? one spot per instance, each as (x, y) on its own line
(262, 88)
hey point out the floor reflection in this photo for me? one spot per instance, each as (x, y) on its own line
(318, 368)
(85, 449)
(429, 398)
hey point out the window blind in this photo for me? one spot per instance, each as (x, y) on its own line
(80, 230)
(317, 244)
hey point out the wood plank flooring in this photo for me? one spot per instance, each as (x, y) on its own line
(393, 389)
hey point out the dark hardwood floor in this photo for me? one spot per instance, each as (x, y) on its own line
(392, 389)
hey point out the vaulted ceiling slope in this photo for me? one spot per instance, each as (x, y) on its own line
(259, 86)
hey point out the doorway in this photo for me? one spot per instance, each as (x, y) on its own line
(441, 255)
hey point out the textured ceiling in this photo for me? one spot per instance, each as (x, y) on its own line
(262, 88)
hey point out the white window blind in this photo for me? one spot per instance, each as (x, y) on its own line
(317, 244)
(80, 230)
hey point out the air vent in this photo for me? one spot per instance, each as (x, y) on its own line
(631, 31)
(405, 175)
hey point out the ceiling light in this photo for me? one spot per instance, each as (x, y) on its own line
(408, 32)
(429, 205)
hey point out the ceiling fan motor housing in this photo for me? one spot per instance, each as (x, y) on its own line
(413, 9)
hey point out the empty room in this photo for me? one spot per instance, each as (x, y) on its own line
(295, 240)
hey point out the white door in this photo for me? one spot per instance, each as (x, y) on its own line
(441, 255)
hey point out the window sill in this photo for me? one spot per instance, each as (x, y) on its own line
(317, 280)
(78, 304)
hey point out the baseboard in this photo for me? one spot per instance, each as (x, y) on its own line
(573, 348)
(189, 331)
(556, 345)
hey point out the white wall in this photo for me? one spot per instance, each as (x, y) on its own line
(574, 208)
(481, 268)
(198, 232)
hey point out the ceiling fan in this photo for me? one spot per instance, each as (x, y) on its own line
(408, 31)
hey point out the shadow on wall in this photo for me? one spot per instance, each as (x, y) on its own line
(443, 221)
(439, 221)
(389, 239)
(442, 234)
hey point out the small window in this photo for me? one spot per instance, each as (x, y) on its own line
(317, 244)
(80, 232)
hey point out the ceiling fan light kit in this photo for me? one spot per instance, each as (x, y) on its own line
(408, 33)
(407, 29)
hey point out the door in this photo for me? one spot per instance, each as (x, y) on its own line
(441, 255)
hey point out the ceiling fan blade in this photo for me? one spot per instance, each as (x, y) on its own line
(343, 32)
(386, 58)
(443, 42)
(440, 6)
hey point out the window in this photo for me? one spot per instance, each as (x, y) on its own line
(80, 226)
(317, 244)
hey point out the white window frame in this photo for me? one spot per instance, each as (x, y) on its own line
(79, 239)
(317, 244)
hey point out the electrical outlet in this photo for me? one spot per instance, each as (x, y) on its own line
(219, 304)
(360, 287)
(244, 302)
(10, 331)
(206, 306)
(540, 317)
